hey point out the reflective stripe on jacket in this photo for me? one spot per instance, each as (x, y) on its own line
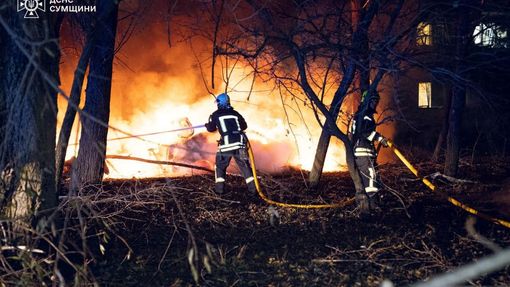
(230, 124)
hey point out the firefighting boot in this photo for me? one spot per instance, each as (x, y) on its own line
(362, 202)
(252, 188)
(373, 202)
(219, 188)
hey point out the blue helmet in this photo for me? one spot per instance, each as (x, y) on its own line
(223, 101)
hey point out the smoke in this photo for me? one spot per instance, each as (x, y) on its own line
(200, 150)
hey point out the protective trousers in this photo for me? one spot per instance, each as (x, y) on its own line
(223, 160)
(368, 175)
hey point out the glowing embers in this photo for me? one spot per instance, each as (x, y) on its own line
(198, 150)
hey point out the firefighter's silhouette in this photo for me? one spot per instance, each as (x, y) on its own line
(232, 144)
(363, 136)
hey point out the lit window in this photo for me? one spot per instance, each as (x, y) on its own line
(424, 34)
(425, 95)
(490, 35)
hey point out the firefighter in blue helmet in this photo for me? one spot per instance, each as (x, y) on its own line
(363, 136)
(232, 144)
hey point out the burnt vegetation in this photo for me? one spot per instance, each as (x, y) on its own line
(441, 70)
(149, 230)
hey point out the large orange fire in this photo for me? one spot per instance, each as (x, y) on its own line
(156, 88)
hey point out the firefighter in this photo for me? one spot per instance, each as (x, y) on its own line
(363, 136)
(232, 144)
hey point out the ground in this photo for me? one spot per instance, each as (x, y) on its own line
(239, 240)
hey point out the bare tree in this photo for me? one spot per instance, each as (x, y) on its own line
(89, 166)
(466, 12)
(74, 99)
(444, 129)
(360, 22)
(91, 30)
(464, 67)
(29, 58)
(310, 48)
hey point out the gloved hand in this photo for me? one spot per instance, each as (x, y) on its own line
(384, 142)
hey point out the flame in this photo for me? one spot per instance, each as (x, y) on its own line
(163, 89)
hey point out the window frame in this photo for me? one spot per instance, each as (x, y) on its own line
(490, 35)
(424, 32)
(427, 97)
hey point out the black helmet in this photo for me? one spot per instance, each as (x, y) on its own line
(370, 96)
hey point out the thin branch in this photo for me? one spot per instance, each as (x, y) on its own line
(473, 270)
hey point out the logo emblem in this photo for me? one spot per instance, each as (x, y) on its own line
(31, 7)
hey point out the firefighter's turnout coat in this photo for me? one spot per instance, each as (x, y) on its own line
(364, 135)
(232, 144)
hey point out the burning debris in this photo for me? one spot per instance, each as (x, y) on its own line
(196, 150)
(68, 166)
(157, 98)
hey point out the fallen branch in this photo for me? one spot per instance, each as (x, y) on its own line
(470, 227)
(450, 179)
(125, 157)
(473, 270)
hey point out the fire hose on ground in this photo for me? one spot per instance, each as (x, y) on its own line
(282, 204)
(351, 200)
(337, 205)
(449, 198)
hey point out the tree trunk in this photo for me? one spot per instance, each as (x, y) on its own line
(360, 47)
(330, 124)
(325, 137)
(320, 157)
(74, 101)
(454, 131)
(466, 12)
(444, 129)
(363, 79)
(3, 104)
(89, 166)
(28, 85)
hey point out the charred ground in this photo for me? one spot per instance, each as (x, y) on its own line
(242, 241)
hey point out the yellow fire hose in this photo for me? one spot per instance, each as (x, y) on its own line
(282, 204)
(450, 199)
(351, 200)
